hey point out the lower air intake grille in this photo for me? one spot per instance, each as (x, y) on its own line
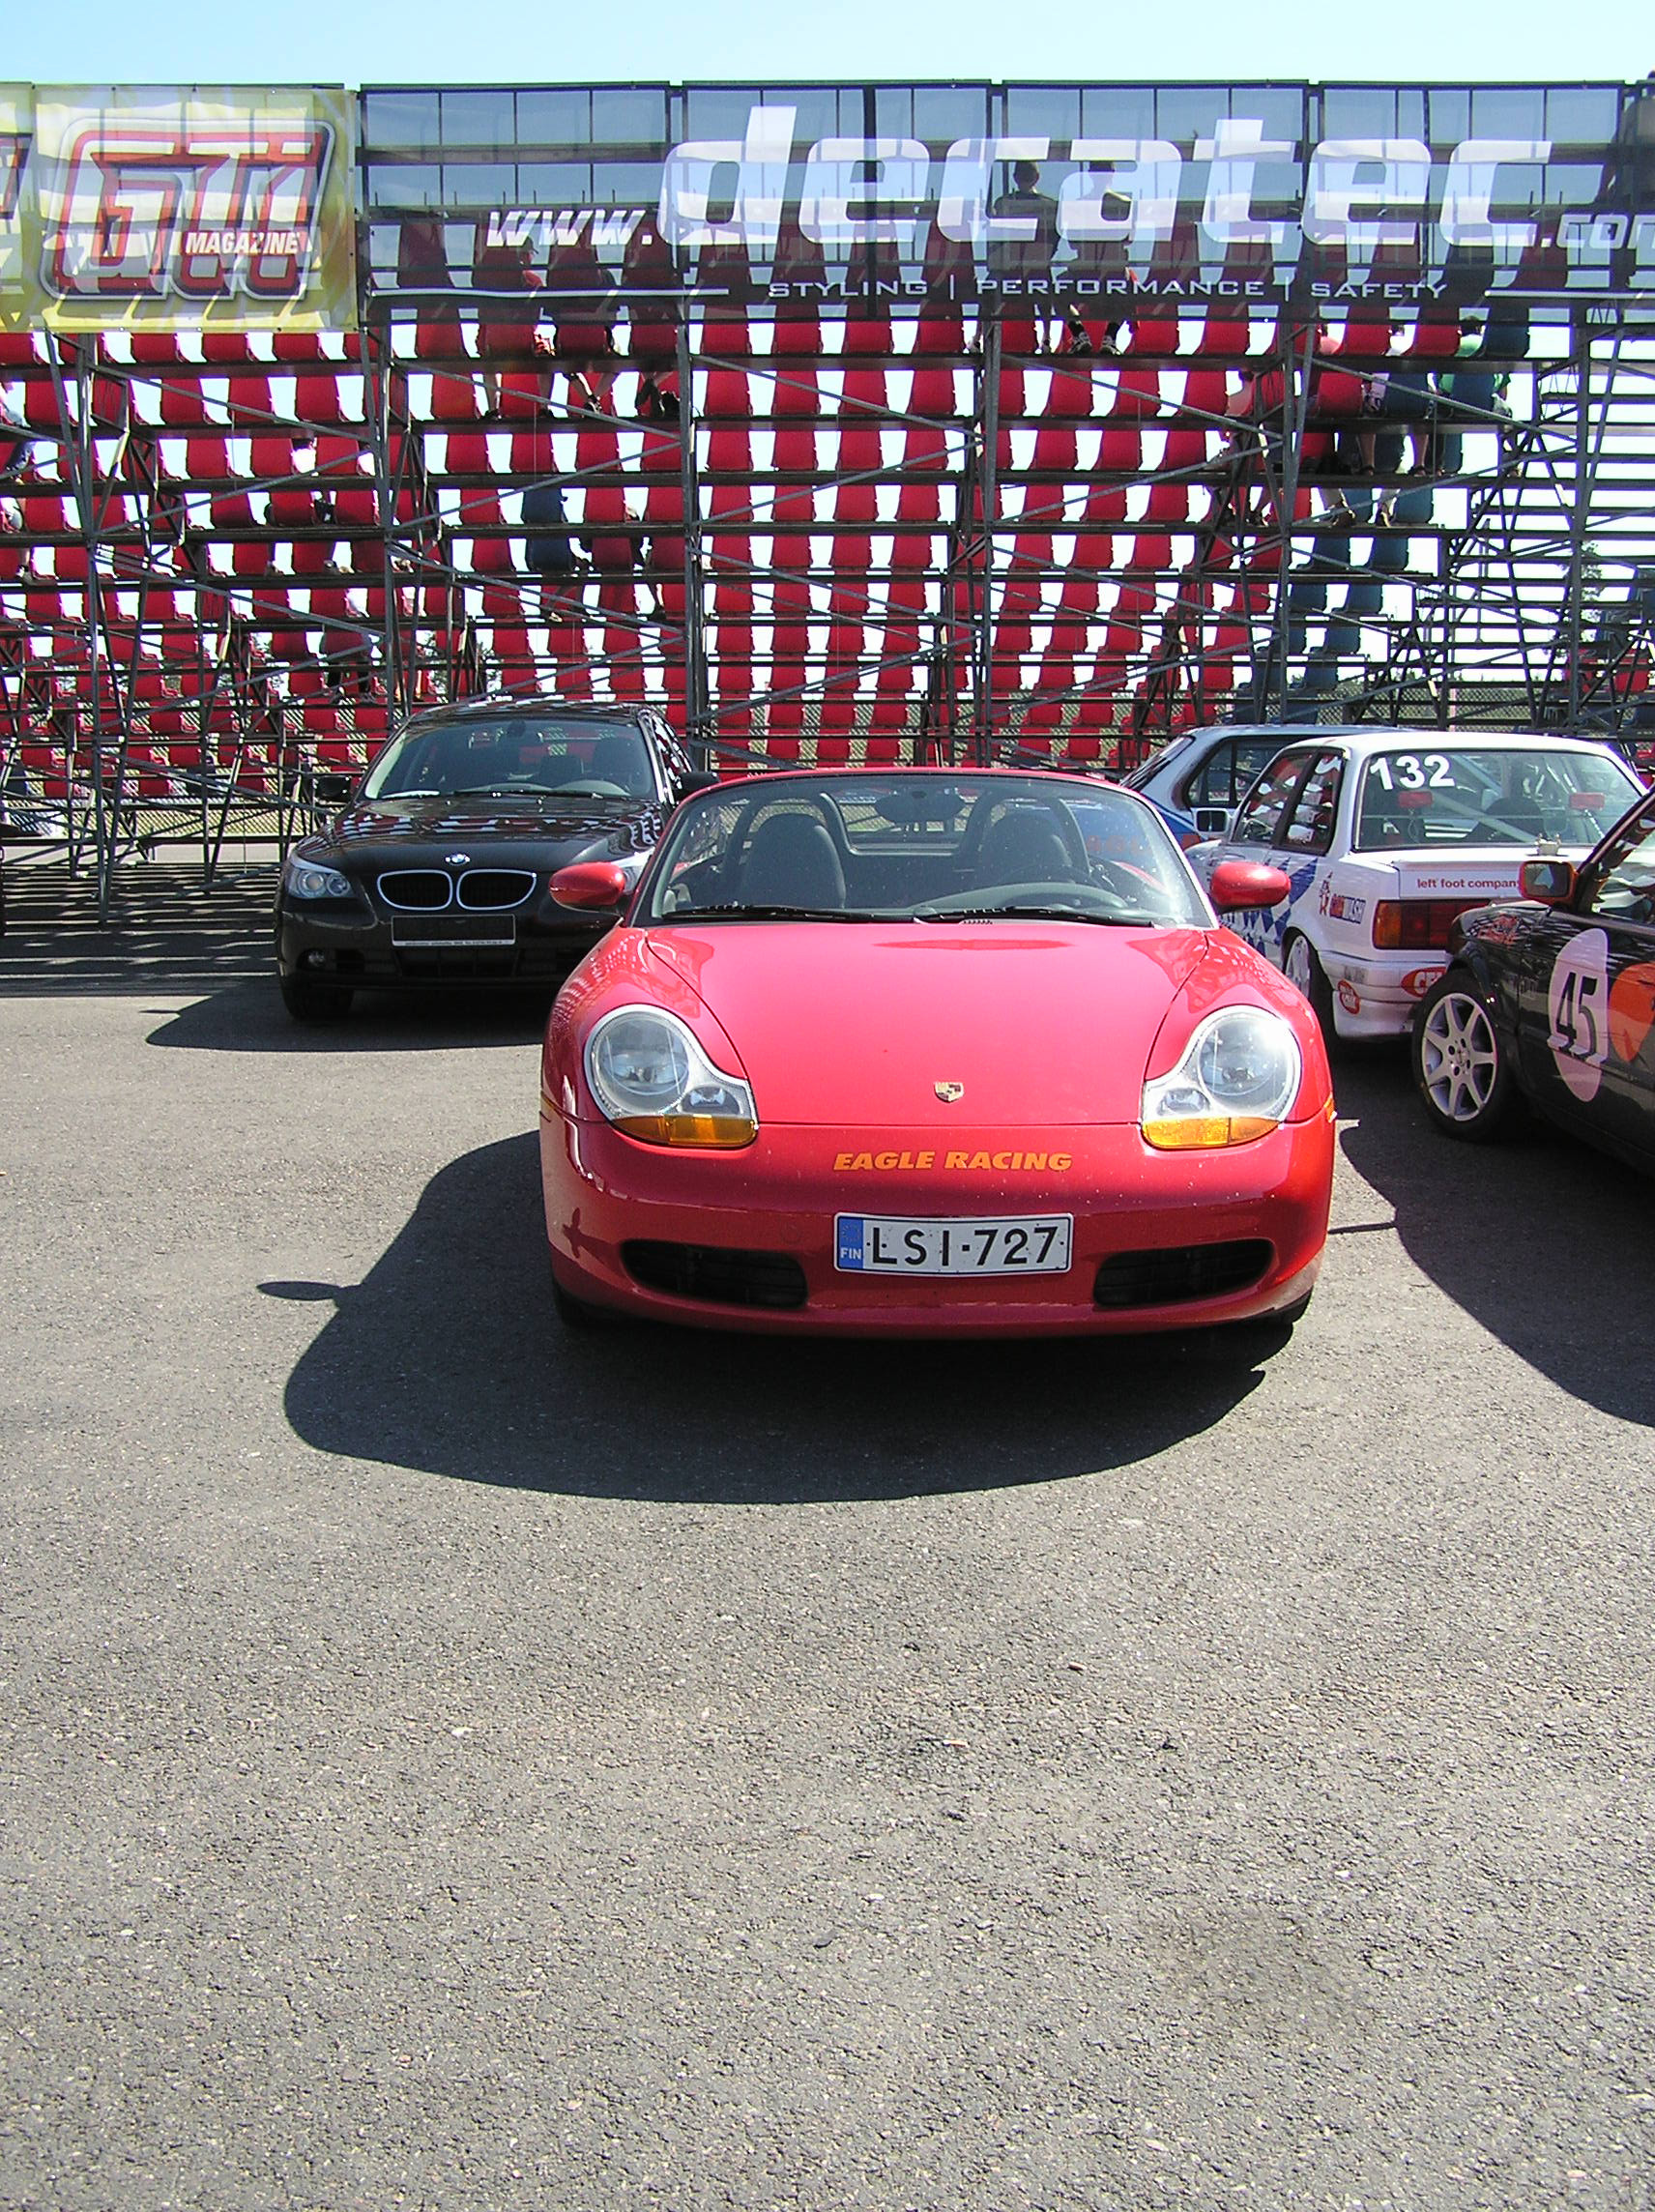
(720, 1276)
(1178, 1272)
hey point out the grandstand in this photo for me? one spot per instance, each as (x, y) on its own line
(852, 422)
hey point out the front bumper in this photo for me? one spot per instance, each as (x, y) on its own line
(349, 943)
(779, 1196)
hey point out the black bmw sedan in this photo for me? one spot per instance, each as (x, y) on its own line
(437, 869)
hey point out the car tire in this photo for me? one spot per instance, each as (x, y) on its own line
(1462, 1067)
(309, 1001)
(576, 1315)
(1299, 953)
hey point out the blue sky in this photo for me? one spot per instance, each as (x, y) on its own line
(513, 40)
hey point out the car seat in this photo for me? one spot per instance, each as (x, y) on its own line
(792, 861)
(1024, 847)
(617, 758)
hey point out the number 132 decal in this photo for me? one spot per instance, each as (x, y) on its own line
(1577, 1012)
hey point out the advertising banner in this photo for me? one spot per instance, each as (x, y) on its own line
(16, 128)
(191, 207)
(1195, 197)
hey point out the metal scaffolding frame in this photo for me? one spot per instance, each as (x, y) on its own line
(225, 576)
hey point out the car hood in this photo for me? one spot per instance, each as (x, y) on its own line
(856, 1024)
(392, 833)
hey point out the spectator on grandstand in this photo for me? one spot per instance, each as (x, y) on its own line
(547, 547)
(422, 268)
(650, 276)
(581, 289)
(658, 397)
(508, 327)
(1027, 260)
(1102, 265)
(1386, 400)
(15, 451)
(1397, 397)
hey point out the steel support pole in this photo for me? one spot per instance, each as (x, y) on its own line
(1296, 409)
(76, 442)
(1581, 346)
(376, 350)
(988, 491)
(699, 730)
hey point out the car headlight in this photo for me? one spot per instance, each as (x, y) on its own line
(308, 878)
(652, 1078)
(1238, 1075)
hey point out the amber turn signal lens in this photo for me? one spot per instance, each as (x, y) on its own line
(1206, 1132)
(695, 1133)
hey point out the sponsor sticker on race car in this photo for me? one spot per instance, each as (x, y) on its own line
(1632, 1010)
(1576, 1008)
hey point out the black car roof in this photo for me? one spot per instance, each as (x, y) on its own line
(494, 709)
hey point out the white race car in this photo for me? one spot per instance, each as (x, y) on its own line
(1387, 834)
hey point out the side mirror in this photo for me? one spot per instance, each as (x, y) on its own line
(697, 779)
(592, 887)
(332, 788)
(1238, 886)
(1550, 882)
(1212, 821)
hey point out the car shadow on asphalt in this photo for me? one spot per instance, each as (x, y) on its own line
(450, 1359)
(1541, 1239)
(250, 1017)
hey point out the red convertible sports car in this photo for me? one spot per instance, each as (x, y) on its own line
(930, 1050)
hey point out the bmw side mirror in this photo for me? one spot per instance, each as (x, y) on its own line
(592, 887)
(1239, 885)
(1550, 882)
(332, 788)
(697, 779)
(1212, 821)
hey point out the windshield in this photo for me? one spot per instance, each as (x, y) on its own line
(1450, 796)
(1622, 885)
(929, 847)
(517, 753)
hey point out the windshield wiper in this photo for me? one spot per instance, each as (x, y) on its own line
(745, 912)
(1041, 914)
(508, 790)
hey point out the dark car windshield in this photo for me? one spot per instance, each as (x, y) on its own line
(1464, 796)
(940, 849)
(516, 753)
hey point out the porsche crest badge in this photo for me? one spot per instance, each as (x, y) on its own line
(949, 1093)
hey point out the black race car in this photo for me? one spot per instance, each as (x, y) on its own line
(1553, 1000)
(438, 870)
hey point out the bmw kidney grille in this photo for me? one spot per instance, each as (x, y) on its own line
(478, 890)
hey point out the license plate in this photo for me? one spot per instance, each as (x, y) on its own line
(1007, 1245)
(440, 933)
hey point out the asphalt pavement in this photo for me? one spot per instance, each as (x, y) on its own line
(449, 1763)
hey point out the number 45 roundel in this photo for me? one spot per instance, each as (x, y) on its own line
(1577, 1007)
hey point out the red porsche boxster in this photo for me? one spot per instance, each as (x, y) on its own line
(942, 1052)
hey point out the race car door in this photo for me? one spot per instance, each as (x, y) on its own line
(1587, 997)
(1290, 810)
(1220, 782)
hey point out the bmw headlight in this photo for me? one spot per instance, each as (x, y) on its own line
(652, 1078)
(1238, 1076)
(308, 878)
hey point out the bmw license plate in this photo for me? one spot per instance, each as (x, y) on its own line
(1008, 1244)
